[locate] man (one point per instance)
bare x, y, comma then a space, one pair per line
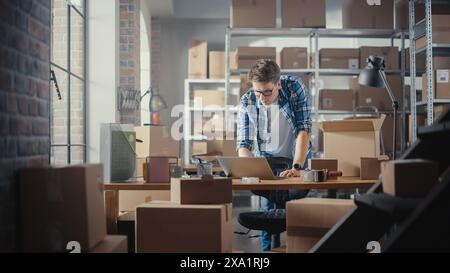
274, 121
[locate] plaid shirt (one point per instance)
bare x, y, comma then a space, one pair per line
295, 106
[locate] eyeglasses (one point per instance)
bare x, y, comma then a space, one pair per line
265, 93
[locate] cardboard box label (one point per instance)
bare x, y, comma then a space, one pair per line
353, 63
327, 102
442, 76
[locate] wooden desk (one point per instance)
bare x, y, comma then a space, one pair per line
112, 190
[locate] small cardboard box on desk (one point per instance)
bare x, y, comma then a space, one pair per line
349, 140
309, 219
201, 191
411, 178
60, 205
371, 167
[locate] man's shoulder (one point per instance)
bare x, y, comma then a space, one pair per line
248, 98
291, 84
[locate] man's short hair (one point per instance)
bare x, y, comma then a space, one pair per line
264, 70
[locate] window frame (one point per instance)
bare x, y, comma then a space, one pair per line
69, 74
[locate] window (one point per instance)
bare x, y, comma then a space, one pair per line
68, 61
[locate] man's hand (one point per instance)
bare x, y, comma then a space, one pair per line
290, 173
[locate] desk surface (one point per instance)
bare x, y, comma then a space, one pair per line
288, 183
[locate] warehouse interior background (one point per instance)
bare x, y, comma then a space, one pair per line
67, 68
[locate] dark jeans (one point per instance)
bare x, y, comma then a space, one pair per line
276, 199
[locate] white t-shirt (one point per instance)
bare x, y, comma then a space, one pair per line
281, 142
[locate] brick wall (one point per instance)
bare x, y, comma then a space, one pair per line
24, 101
156, 52
130, 54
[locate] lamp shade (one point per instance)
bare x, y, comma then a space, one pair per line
157, 103
370, 75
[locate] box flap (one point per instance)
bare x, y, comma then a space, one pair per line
352, 125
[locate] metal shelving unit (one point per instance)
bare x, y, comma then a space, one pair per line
314, 35
416, 31
190, 111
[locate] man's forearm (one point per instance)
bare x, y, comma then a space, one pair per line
243, 152
301, 148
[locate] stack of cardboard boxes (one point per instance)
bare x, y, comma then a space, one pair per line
63, 208
198, 219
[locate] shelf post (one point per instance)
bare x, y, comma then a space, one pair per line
429, 37
412, 67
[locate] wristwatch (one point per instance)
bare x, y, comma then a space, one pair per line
297, 167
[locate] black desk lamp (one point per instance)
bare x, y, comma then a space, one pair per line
373, 75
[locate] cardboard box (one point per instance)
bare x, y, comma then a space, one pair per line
129, 200
198, 59
363, 14
366, 96
294, 58
349, 140
441, 84
389, 53
217, 65
156, 141
224, 147
410, 178
345, 58
253, 14
402, 14
331, 99
322, 164
247, 56
199, 148
309, 219
112, 244
172, 228
441, 62
188, 191
439, 110
233, 60
208, 98
420, 61
303, 13
371, 167
60, 205
440, 30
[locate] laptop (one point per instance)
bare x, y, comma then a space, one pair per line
238, 167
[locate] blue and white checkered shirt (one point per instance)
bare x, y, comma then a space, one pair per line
295, 105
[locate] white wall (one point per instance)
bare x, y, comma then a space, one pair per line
102, 68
